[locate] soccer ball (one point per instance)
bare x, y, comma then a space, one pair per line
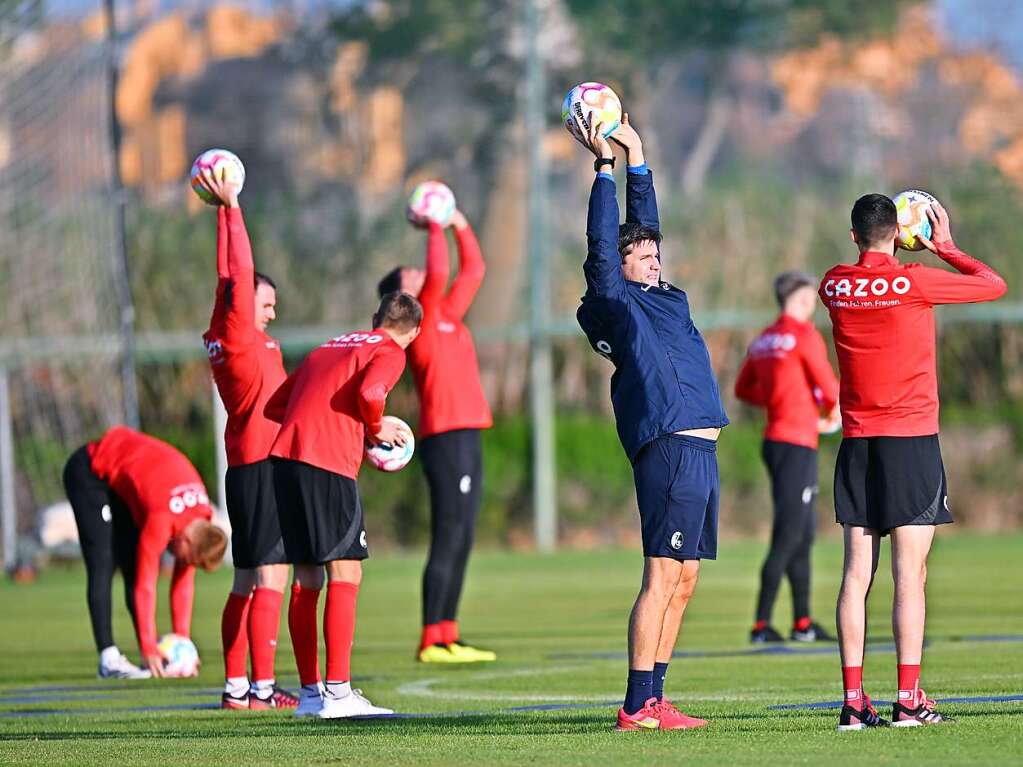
224, 164
591, 101
431, 201
181, 658
391, 457
913, 222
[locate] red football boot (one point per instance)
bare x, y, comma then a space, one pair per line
673, 719
644, 719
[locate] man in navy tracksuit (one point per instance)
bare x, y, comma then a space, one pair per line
668, 411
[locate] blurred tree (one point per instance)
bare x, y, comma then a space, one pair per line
647, 44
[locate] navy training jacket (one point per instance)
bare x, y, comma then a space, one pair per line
663, 381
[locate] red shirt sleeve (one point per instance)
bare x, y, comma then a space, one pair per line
747, 387
976, 281
240, 323
382, 373
470, 273
277, 405
153, 542
223, 276
182, 592
817, 366
437, 268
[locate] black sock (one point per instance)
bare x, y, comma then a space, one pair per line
639, 691
660, 671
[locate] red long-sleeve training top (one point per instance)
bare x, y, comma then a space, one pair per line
333, 397
164, 493
246, 362
883, 317
787, 372
443, 357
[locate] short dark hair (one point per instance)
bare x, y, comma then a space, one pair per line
391, 283
874, 218
262, 279
398, 311
631, 233
787, 283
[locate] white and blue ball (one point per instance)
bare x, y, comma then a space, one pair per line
387, 457
181, 658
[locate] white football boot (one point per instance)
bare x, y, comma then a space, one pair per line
113, 665
346, 702
310, 700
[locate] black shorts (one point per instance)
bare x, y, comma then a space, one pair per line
794, 484
251, 505
677, 487
888, 482
320, 514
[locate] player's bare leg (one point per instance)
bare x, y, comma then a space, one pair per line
862, 548
910, 546
670, 717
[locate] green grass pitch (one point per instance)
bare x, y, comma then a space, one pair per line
558, 624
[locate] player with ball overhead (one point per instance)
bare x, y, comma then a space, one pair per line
133, 496
889, 476
453, 411
667, 407
328, 408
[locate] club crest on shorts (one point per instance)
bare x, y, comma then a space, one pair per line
107, 515
362, 539
465, 484
677, 539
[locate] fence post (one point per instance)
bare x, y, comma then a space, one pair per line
8, 506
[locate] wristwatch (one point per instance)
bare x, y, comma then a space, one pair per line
600, 162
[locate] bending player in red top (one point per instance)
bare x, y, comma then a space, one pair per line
453, 410
134, 496
247, 367
327, 409
889, 477
787, 372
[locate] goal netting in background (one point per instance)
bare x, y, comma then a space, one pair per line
59, 317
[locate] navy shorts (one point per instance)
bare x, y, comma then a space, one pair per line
677, 486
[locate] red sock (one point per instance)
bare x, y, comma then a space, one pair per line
339, 629
852, 682
432, 635
233, 636
304, 636
448, 631
264, 621
802, 624
909, 681
760, 625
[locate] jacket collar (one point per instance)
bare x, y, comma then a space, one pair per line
872, 258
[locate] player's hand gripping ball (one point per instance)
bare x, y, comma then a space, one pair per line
388, 457
224, 164
591, 103
912, 206
181, 658
431, 201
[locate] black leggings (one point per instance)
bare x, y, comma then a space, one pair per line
793, 470
109, 539
453, 462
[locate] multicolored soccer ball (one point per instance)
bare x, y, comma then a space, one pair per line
912, 206
387, 457
181, 658
224, 164
431, 201
591, 103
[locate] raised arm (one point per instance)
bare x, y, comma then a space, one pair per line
437, 267
240, 321
640, 199
220, 304
975, 281
470, 269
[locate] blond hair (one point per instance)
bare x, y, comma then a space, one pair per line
210, 546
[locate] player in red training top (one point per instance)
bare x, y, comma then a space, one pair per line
889, 477
453, 410
327, 409
134, 496
247, 367
787, 372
